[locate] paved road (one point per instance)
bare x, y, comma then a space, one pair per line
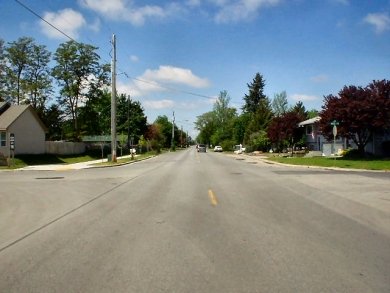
189, 222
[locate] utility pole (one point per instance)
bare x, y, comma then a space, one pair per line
173, 130
181, 136
128, 122
113, 100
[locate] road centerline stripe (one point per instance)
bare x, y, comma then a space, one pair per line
213, 198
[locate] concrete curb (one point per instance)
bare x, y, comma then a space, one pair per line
269, 162
76, 166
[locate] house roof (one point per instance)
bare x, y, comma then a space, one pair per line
4, 106
13, 112
309, 121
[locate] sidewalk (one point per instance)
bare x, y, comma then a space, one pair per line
64, 167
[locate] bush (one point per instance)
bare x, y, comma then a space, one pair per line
355, 154
227, 145
386, 148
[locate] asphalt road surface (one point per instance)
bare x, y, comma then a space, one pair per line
195, 222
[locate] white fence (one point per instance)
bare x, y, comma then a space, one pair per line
64, 148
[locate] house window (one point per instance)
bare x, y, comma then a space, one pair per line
309, 129
3, 139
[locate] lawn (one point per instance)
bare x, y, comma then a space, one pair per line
29, 160
127, 159
367, 164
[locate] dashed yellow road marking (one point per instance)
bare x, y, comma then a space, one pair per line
213, 198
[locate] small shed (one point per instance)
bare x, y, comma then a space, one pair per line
21, 124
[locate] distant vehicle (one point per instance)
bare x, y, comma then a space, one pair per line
218, 148
238, 149
201, 148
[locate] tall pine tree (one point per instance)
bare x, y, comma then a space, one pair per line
258, 107
256, 94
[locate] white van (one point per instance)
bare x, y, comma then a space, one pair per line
238, 149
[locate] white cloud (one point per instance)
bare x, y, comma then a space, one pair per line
111, 7
128, 11
304, 98
134, 58
159, 104
95, 26
320, 78
161, 80
67, 20
237, 10
175, 75
193, 3
380, 21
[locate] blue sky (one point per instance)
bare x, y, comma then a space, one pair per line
197, 48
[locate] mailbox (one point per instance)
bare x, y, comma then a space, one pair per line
12, 141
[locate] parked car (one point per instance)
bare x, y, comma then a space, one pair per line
218, 148
201, 148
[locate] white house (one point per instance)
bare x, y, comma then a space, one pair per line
21, 130
316, 142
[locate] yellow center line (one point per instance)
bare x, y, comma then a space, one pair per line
213, 198
197, 157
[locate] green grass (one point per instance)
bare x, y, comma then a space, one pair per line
367, 164
127, 159
29, 160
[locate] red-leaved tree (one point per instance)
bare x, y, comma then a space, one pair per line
283, 130
359, 111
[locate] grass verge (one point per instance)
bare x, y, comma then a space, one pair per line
22, 161
366, 164
29, 160
127, 160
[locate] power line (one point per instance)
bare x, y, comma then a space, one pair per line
40, 17
133, 78
169, 88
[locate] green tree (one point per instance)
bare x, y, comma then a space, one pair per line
95, 115
259, 141
154, 137
165, 129
223, 119
205, 124
259, 120
19, 58
300, 109
131, 118
240, 124
280, 103
3, 71
38, 83
255, 96
258, 106
77, 72
53, 120
312, 113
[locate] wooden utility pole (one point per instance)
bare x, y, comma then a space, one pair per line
173, 132
113, 101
